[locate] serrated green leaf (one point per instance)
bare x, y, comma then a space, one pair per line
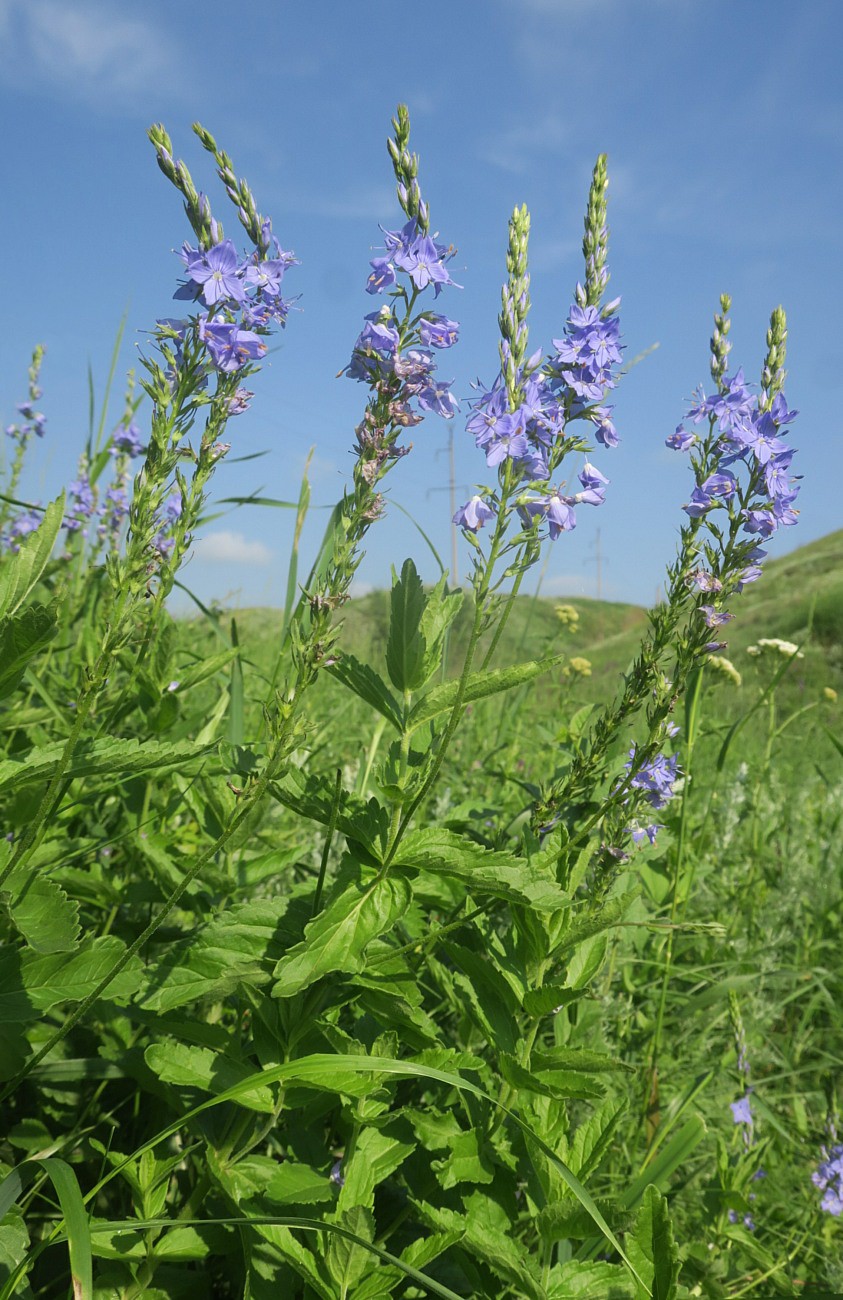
14, 1246
200, 1067
375, 1156
587, 1279
502, 875
31, 982
405, 647
21, 571
492, 1001
550, 997
577, 1058
365, 683
296, 1184
594, 1137
108, 756
239, 946
480, 685
22, 638
468, 1161
336, 1073
653, 1249
336, 940
42, 911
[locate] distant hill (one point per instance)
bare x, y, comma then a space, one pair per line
803, 587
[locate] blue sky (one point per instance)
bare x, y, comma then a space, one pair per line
724, 129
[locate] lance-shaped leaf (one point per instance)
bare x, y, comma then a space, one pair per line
20, 572
653, 1250
405, 649
34, 982
336, 940
42, 911
108, 756
21, 639
502, 875
239, 946
372, 689
200, 1067
441, 698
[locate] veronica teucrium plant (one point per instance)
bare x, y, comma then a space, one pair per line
284, 1012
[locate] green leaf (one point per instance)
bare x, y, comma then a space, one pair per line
653, 1249
577, 1058
205, 668
239, 946
42, 911
108, 756
32, 982
294, 1184
405, 648
73, 1212
659, 1171
483, 871
441, 698
21, 639
365, 683
594, 1137
336, 940
347, 1257
492, 1000
441, 608
336, 1073
550, 997
200, 1067
468, 1161
374, 1157
586, 1279
20, 572
14, 1246
364, 822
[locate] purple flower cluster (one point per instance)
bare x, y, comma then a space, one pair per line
412, 251
400, 367
586, 354
82, 502
126, 440
656, 777
169, 515
33, 421
751, 436
558, 508
23, 524
525, 435
570, 386
828, 1177
243, 297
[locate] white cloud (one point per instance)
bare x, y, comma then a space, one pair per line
515, 148
228, 547
90, 47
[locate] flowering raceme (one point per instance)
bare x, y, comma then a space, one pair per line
522, 422
397, 361
243, 297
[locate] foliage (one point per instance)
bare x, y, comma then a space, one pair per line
344, 954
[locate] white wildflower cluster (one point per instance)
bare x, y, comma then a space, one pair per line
774, 645
724, 668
